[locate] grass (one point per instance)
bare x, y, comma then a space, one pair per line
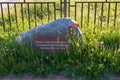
99, 53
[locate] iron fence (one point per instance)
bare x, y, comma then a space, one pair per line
29, 14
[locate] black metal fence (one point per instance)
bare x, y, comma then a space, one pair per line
28, 14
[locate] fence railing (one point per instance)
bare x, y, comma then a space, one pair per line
28, 14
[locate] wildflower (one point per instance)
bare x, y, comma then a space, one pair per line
10, 40
95, 41
77, 44
104, 59
66, 65
72, 74
19, 38
70, 26
74, 26
11, 54
77, 25
47, 57
5, 46
101, 65
92, 50
119, 50
101, 42
7, 49
13, 49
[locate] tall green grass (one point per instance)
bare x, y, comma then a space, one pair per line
98, 54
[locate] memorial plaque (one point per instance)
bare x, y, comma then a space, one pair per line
51, 42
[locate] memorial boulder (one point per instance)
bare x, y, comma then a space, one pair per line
51, 36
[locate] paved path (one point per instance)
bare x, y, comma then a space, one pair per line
38, 78
55, 78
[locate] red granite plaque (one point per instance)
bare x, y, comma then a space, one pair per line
50, 42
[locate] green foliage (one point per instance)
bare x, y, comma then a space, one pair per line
98, 53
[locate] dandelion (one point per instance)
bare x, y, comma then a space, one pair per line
77, 44
101, 42
101, 65
92, 50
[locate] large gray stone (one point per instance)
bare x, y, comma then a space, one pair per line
59, 26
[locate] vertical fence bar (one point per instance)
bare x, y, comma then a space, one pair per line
48, 12
102, 14
88, 12
16, 15
69, 8
35, 14
41, 13
95, 13
61, 8
54, 12
65, 8
115, 14
29, 15
108, 14
81, 15
2, 14
75, 11
22, 15
9, 15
